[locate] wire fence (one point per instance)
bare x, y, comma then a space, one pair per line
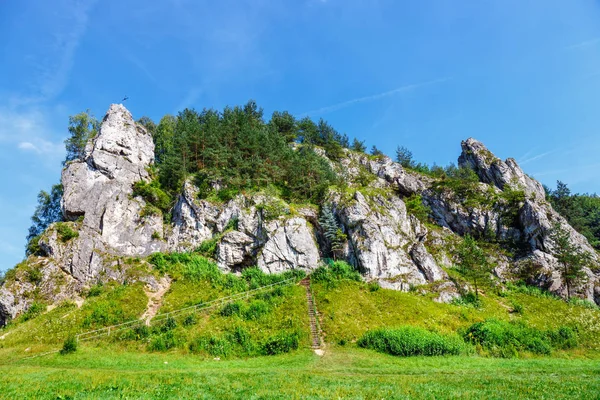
109, 330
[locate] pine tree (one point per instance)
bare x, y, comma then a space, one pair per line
571, 258
332, 231
404, 157
359, 146
473, 262
375, 151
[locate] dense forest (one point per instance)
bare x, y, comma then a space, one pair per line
236, 150
581, 210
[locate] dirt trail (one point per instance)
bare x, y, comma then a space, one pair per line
155, 299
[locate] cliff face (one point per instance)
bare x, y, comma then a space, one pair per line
384, 240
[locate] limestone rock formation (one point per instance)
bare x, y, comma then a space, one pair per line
536, 218
385, 241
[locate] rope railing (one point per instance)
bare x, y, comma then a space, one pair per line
108, 330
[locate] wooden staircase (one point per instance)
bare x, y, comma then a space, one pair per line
314, 326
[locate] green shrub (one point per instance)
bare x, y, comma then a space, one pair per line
103, 313
189, 320
214, 345
411, 341
33, 311
468, 299
373, 286
166, 325
165, 341
256, 309
69, 345
149, 211
152, 194
208, 248
416, 207
96, 290
283, 342
65, 232
240, 336
517, 307
576, 301
231, 309
34, 275
334, 272
563, 338
33, 247
500, 336
227, 194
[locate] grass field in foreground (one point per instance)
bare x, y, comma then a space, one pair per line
99, 373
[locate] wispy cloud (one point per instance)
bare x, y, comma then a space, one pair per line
142, 67
366, 99
31, 131
585, 43
190, 98
527, 158
579, 168
53, 59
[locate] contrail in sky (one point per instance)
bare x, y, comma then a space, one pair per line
348, 103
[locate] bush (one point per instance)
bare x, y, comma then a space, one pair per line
334, 272
103, 313
468, 299
563, 338
517, 307
500, 338
231, 309
214, 345
241, 336
189, 320
415, 206
411, 341
69, 346
208, 248
65, 232
95, 290
33, 247
149, 211
373, 286
164, 342
576, 301
283, 342
34, 275
256, 309
33, 311
152, 194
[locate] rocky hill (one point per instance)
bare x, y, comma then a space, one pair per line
398, 227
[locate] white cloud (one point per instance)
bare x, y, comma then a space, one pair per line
584, 44
28, 146
32, 130
365, 99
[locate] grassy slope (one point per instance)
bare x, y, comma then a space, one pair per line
116, 304
115, 368
350, 309
341, 373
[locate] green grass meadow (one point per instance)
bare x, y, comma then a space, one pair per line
258, 347
103, 373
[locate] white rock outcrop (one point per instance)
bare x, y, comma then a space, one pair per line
98, 191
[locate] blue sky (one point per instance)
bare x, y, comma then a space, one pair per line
521, 76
